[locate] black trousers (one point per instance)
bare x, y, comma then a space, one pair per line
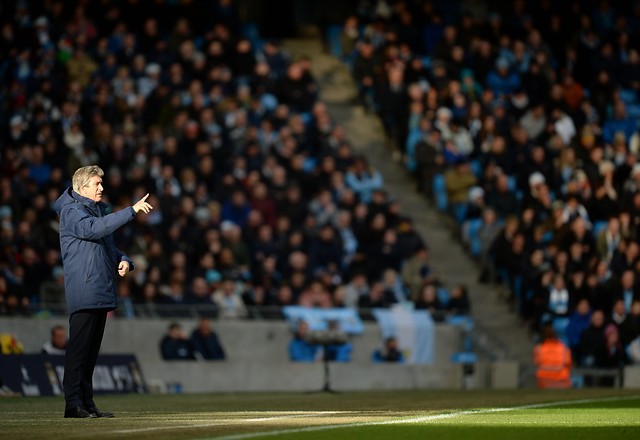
86, 329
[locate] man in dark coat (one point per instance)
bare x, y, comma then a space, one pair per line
91, 261
205, 342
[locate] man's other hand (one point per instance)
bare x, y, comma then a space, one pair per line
123, 268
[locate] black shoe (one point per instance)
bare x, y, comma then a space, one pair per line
78, 413
97, 413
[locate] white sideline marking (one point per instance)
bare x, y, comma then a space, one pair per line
419, 419
299, 414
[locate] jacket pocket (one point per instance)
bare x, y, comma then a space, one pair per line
88, 270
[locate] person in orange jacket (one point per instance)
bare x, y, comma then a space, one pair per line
553, 360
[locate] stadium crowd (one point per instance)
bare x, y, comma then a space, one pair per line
521, 121
260, 198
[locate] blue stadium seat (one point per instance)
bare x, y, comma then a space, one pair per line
459, 212
477, 168
464, 357
443, 295
471, 232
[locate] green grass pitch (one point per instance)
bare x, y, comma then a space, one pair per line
514, 414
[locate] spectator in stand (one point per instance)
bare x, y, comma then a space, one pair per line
57, 344
299, 349
389, 352
459, 304
228, 299
620, 122
579, 321
205, 342
458, 181
363, 179
175, 345
592, 347
630, 327
428, 300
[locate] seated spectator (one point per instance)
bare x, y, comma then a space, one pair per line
205, 342
502, 80
428, 300
356, 288
458, 300
458, 180
228, 299
553, 361
389, 352
363, 179
315, 296
58, 342
299, 349
416, 271
592, 347
175, 345
630, 327
377, 297
615, 354
619, 122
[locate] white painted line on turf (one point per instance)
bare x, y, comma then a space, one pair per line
297, 415
420, 419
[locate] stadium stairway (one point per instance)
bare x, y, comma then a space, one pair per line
498, 334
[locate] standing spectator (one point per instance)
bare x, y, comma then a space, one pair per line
553, 361
393, 107
205, 342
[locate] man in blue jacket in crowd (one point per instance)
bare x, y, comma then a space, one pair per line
91, 261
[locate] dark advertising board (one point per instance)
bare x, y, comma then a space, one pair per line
41, 374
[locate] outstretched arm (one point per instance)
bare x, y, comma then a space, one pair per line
87, 227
